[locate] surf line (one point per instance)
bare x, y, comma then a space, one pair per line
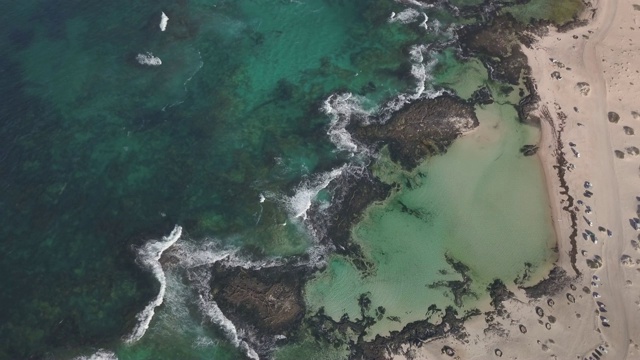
148, 258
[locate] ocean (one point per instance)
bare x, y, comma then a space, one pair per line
208, 131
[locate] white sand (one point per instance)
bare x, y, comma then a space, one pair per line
606, 55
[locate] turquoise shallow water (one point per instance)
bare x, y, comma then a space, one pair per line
99, 154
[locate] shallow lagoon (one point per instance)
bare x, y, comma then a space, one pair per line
483, 203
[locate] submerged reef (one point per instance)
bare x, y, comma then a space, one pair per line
352, 192
459, 288
555, 282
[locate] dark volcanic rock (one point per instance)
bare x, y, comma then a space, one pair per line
269, 299
459, 288
529, 150
553, 284
482, 96
415, 334
420, 129
498, 46
499, 294
352, 193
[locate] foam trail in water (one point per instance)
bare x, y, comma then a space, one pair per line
341, 108
99, 355
149, 259
405, 16
148, 59
300, 202
423, 24
415, 3
163, 21
211, 310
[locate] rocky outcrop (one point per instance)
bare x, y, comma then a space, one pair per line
551, 285
420, 129
352, 193
459, 288
498, 46
415, 334
269, 299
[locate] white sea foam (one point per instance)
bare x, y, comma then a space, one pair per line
149, 259
192, 255
406, 16
211, 310
300, 202
200, 278
415, 3
163, 21
341, 108
423, 24
148, 59
99, 355
204, 342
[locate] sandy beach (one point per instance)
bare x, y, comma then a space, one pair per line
588, 81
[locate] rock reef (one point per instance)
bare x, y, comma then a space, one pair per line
426, 127
268, 299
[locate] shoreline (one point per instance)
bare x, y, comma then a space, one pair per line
589, 55
585, 79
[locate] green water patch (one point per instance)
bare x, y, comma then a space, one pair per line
462, 76
482, 204
312, 350
558, 12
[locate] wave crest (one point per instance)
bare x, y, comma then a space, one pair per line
149, 259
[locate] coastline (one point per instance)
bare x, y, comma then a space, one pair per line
598, 55
567, 322
288, 192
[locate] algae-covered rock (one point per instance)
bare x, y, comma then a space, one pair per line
423, 128
268, 299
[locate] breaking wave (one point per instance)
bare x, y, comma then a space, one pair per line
148, 59
346, 107
306, 192
405, 16
149, 259
164, 19
210, 309
341, 108
409, 16
99, 355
